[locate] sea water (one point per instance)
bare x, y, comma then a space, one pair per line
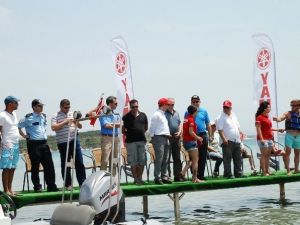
250, 205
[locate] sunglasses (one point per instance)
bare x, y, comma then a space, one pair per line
195, 101
115, 103
39, 106
134, 107
66, 107
294, 105
225, 107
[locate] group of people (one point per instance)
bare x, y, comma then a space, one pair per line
197, 132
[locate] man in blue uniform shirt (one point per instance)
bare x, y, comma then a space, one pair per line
38, 149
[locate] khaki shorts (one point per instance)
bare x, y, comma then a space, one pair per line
106, 147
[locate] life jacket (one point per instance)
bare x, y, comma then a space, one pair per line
294, 122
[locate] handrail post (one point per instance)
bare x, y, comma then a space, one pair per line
145, 206
282, 192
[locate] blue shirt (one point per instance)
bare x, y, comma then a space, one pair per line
109, 119
35, 126
201, 120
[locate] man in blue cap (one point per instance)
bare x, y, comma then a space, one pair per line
9, 142
38, 149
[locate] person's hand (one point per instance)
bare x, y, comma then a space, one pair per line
200, 139
281, 130
210, 138
275, 119
225, 142
69, 121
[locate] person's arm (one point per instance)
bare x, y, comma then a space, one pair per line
210, 137
224, 139
57, 126
210, 149
194, 135
258, 131
281, 118
279, 130
25, 136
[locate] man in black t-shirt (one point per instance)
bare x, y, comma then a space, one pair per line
134, 128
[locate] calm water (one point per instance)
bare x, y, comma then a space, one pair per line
252, 205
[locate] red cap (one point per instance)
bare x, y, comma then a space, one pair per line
163, 101
227, 103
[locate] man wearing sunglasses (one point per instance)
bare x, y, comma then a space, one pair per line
109, 123
230, 133
134, 128
63, 123
204, 131
38, 149
292, 137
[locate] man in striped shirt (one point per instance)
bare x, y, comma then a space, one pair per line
61, 123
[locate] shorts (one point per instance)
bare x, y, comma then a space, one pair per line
265, 144
292, 141
136, 153
190, 145
9, 156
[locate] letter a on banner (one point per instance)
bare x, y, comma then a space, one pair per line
122, 71
264, 73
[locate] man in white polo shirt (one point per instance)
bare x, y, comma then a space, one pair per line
160, 134
230, 140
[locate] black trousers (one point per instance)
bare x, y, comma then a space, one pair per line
202, 148
79, 166
39, 152
175, 152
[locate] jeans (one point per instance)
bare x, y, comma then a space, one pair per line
216, 157
202, 148
175, 152
79, 166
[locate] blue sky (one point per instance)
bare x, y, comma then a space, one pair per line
60, 49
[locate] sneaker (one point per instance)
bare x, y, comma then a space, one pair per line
69, 188
166, 181
52, 189
158, 181
139, 182
215, 174
38, 188
179, 179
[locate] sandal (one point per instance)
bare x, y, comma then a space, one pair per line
197, 180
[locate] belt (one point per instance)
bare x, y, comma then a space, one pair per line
162, 135
37, 141
235, 141
202, 133
109, 135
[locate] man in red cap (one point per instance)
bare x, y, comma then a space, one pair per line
160, 133
230, 133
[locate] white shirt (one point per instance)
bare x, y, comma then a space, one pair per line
10, 131
159, 124
230, 126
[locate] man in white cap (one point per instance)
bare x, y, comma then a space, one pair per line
10, 142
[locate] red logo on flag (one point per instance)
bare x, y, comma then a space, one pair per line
121, 63
263, 58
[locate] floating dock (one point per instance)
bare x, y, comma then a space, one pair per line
175, 190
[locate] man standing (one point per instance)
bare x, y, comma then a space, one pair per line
109, 122
292, 136
134, 128
38, 149
10, 142
203, 126
230, 133
63, 123
160, 134
174, 123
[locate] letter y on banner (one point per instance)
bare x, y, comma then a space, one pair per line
122, 70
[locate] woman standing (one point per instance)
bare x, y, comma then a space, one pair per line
190, 141
264, 135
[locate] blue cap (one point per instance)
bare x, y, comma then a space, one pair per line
10, 99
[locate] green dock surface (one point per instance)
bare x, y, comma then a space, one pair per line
130, 190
